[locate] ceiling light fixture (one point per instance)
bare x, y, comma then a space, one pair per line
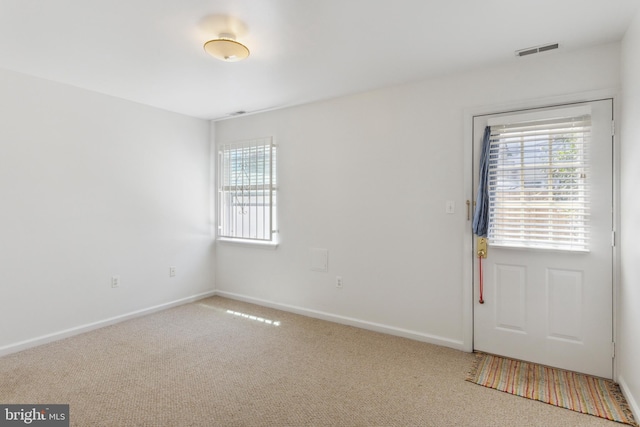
226, 48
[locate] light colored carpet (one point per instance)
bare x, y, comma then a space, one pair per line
579, 392
209, 364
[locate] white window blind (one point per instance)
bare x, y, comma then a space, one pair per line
247, 190
539, 184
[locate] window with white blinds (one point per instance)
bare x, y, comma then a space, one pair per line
539, 184
247, 190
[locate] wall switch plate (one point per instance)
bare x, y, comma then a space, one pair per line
450, 207
172, 272
115, 281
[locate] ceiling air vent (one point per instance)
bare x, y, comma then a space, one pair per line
238, 113
537, 49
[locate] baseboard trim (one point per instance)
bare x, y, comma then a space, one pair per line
633, 403
45, 339
350, 321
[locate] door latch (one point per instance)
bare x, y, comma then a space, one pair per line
482, 247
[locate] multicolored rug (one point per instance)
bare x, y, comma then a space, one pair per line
571, 390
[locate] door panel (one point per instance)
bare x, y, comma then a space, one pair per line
564, 299
510, 297
554, 307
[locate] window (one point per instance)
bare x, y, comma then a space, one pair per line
538, 183
247, 190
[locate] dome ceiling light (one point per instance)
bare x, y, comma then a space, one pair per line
226, 48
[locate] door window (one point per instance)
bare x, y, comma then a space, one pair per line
539, 183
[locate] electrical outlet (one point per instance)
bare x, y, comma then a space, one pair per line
338, 281
172, 272
115, 281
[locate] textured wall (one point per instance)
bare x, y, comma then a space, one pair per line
368, 176
94, 186
629, 297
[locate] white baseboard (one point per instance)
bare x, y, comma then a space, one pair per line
377, 327
44, 339
631, 400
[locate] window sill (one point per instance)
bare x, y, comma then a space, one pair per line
248, 243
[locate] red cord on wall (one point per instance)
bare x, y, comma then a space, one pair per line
481, 279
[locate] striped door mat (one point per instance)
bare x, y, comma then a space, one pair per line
571, 390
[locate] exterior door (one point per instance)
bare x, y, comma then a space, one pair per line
545, 300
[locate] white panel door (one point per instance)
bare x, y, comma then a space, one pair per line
553, 307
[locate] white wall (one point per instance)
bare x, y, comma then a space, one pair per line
93, 186
629, 297
367, 177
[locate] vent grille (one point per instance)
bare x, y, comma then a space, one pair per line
537, 49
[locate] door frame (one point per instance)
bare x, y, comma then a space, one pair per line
467, 252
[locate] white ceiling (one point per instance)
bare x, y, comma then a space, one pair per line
150, 51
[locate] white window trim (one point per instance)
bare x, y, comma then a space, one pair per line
271, 243
249, 243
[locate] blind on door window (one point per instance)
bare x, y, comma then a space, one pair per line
539, 184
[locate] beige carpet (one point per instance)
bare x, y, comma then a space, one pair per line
219, 362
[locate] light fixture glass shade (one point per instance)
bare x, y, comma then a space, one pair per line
226, 49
